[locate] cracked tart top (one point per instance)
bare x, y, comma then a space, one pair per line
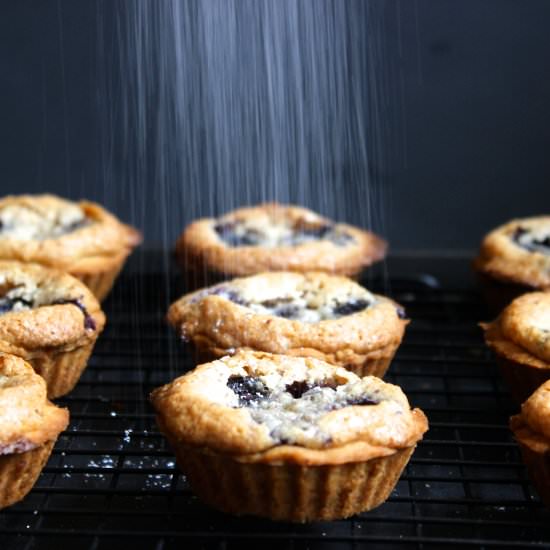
55, 232
267, 408
274, 237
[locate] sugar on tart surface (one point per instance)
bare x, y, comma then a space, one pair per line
80, 238
520, 339
306, 314
513, 259
288, 438
29, 427
274, 237
531, 428
50, 319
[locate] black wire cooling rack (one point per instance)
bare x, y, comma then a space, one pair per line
112, 483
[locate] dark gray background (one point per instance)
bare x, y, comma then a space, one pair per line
464, 144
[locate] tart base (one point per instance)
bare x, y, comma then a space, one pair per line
19, 472
290, 492
62, 370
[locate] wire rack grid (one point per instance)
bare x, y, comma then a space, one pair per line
112, 482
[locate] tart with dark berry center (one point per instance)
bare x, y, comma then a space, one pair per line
520, 338
313, 314
80, 238
289, 438
273, 237
50, 319
29, 427
531, 429
514, 259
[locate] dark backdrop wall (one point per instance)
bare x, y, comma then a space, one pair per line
437, 129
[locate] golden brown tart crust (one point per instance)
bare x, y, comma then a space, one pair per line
520, 338
50, 319
287, 438
518, 252
331, 318
80, 238
287, 238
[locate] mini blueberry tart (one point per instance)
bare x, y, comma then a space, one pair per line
520, 338
531, 429
273, 237
81, 238
305, 314
288, 438
29, 427
514, 259
50, 319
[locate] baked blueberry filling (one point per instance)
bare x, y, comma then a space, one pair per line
292, 413
282, 308
362, 401
519, 232
223, 291
288, 312
249, 390
75, 225
320, 232
229, 294
237, 234
294, 308
348, 308
17, 303
299, 387
234, 235
252, 392
24, 224
19, 446
341, 238
308, 313
9, 304
524, 238
89, 322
